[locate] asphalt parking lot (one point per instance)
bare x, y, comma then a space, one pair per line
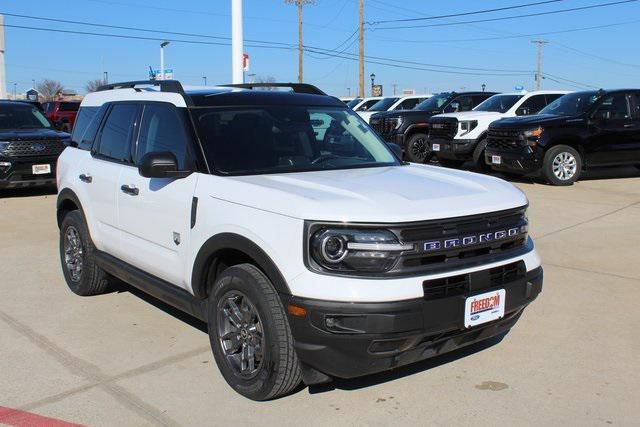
126, 359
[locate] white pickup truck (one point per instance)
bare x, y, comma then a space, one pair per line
455, 138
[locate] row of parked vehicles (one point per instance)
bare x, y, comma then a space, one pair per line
551, 134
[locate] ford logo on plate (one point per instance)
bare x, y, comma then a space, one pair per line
37, 146
475, 317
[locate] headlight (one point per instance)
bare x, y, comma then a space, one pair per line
352, 250
533, 133
4, 145
394, 122
467, 126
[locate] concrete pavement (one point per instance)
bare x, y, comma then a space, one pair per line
126, 359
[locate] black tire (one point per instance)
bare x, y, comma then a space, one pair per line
417, 149
278, 371
478, 156
451, 163
553, 170
91, 280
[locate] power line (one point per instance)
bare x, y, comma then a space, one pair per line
316, 50
528, 15
477, 12
567, 81
515, 36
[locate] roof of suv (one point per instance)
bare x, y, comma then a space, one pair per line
200, 96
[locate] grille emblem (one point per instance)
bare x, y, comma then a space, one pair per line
37, 147
471, 240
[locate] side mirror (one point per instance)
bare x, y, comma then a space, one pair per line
160, 164
522, 112
397, 150
455, 106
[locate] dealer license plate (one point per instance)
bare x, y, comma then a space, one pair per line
41, 169
435, 147
484, 308
496, 160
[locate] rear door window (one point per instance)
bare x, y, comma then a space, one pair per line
69, 106
614, 107
117, 131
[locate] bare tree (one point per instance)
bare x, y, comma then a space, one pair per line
300, 4
48, 89
93, 85
266, 79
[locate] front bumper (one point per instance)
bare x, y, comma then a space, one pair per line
522, 161
348, 340
457, 149
20, 173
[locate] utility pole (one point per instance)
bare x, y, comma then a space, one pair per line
300, 4
3, 81
237, 42
105, 77
540, 44
204, 79
361, 81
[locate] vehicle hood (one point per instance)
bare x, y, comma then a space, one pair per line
31, 134
473, 115
535, 120
407, 113
382, 195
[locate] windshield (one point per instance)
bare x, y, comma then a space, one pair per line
434, 103
383, 104
25, 116
571, 104
280, 139
498, 103
354, 102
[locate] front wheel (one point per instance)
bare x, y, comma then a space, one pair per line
250, 335
417, 148
562, 165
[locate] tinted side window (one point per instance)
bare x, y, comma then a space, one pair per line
552, 97
85, 115
479, 99
368, 104
614, 107
117, 131
162, 129
69, 106
408, 104
462, 103
532, 105
636, 105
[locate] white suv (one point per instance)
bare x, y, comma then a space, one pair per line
393, 104
285, 223
457, 137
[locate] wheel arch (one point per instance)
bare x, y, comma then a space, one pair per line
67, 201
223, 248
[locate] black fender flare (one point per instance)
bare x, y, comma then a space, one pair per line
65, 195
223, 241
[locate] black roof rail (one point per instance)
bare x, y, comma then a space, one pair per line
172, 86
296, 87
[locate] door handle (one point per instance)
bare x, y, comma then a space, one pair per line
85, 178
130, 189
629, 125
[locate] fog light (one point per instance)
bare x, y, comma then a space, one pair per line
4, 166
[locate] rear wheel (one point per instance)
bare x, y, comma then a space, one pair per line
417, 148
80, 271
250, 335
562, 165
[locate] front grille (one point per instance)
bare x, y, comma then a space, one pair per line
503, 139
455, 243
33, 148
383, 126
477, 281
443, 128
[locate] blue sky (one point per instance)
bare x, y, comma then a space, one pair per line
601, 57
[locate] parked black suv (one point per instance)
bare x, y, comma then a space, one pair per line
409, 128
29, 146
575, 132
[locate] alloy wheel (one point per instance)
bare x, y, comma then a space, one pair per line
419, 149
73, 253
564, 166
241, 334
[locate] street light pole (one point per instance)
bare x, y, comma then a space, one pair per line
373, 81
162, 46
204, 78
237, 42
15, 91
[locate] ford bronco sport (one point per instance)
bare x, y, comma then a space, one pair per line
284, 222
